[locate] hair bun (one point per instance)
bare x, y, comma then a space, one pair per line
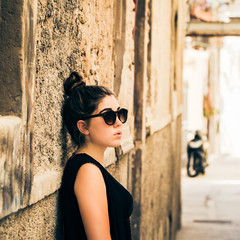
74, 80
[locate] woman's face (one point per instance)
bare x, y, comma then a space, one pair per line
102, 134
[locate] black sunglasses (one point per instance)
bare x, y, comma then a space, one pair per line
110, 116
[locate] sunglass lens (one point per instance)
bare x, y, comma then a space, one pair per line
110, 117
122, 115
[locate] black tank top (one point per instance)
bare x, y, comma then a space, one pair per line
120, 202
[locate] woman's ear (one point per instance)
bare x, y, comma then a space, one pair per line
83, 127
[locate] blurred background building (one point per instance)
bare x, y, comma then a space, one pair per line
230, 96
211, 58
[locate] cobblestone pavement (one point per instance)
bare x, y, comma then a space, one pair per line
211, 202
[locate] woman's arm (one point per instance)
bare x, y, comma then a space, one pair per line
90, 190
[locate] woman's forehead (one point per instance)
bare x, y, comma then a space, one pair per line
109, 102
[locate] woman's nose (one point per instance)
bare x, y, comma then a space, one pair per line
118, 122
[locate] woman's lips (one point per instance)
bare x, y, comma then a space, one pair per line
118, 134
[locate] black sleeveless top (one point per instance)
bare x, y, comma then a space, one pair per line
120, 202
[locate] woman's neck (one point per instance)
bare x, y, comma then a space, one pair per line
94, 151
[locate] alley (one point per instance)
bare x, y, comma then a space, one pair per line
210, 203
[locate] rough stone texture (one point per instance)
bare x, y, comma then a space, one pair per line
39, 221
156, 194
10, 61
158, 101
161, 184
67, 39
71, 35
12, 186
16, 132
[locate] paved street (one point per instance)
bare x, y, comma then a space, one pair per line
211, 202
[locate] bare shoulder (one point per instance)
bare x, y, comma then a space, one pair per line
89, 176
89, 170
91, 194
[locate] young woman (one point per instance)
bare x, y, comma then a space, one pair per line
94, 205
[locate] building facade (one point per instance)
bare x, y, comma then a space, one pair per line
41, 43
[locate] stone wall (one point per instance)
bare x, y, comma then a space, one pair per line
10, 61
161, 195
18, 82
38, 221
158, 110
95, 38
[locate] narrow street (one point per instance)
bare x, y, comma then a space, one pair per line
210, 202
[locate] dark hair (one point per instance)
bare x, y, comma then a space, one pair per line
80, 101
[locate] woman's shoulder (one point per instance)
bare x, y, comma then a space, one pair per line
77, 160
89, 177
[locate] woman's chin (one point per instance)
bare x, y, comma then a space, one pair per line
116, 143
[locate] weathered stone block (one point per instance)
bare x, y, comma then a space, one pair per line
11, 168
